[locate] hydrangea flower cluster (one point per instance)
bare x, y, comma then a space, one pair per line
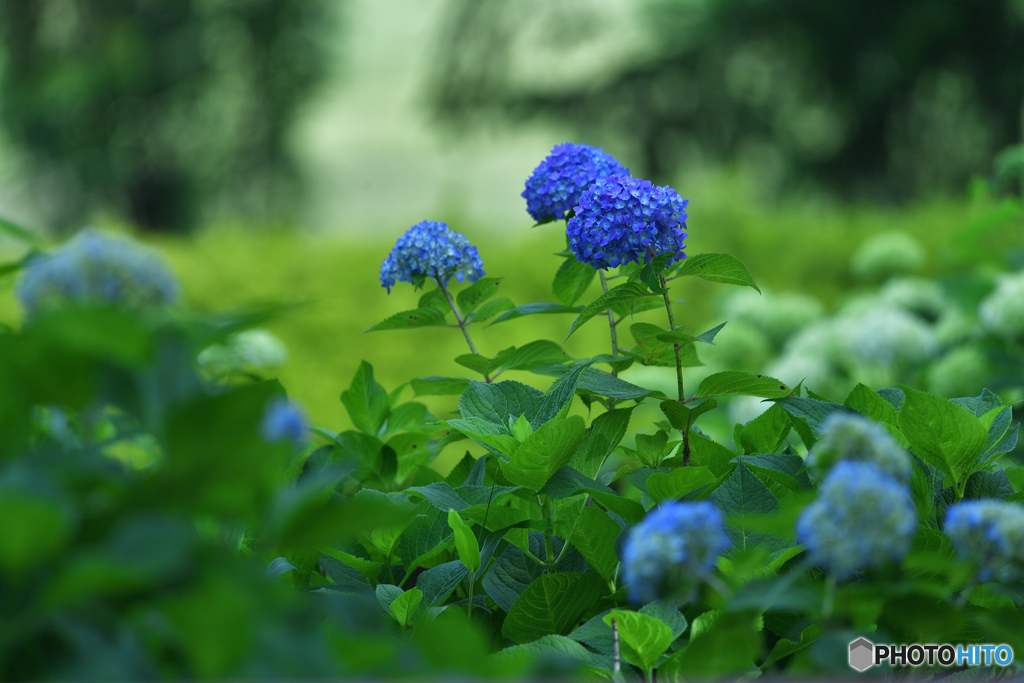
284, 420
879, 335
621, 219
916, 295
431, 249
94, 269
556, 184
673, 546
255, 349
776, 315
990, 533
852, 437
861, 519
888, 254
1002, 311
959, 373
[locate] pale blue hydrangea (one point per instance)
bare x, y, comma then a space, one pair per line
621, 219
255, 349
556, 184
888, 254
916, 295
284, 420
1002, 311
989, 533
776, 315
847, 436
674, 546
431, 249
861, 519
875, 334
92, 268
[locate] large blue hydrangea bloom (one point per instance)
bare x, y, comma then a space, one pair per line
672, 548
861, 519
431, 249
621, 219
850, 436
94, 269
556, 184
284, 421
991, 534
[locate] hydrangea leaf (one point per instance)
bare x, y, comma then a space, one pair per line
711, 454
496, 402
407, 320
491, 309
439, 582
535, 309
474, 361
729, 644
509, 576
405, 605
783, 468
439, 386
435, 298
767, 432
718, 268
466, 544
594, 536
477, 293
679, 482
544, 452
572, 279
553, 647
528, 356
643, 638
552, 604
601, 438
366, 401
683, 415
743, 493
732, 383
942, 432
871, 404
624, 293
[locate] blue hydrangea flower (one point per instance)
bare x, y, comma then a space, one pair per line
431, 249
284, 421
556, 184
861, 519
849, 436
622, 220
94, 269
673, 547
991, 534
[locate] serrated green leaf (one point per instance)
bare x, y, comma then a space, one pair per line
551, 648
553, 604
479, 292
731, 383
767, 432
545, 451
730, 644
941, 432
466, 544
783, 468
601, 438
405, 605
490, 309
622, 294
871, 404
718, 268
643, 638
407, 320
679, 482
496, 402
435, 298
438, 386
535, 309
366, 401
439, 582
528, 357
683, 415
572, 279
744, 494
709, 453
594, 537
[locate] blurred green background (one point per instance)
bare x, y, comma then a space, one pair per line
273, 150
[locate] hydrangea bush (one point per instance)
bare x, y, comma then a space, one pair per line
165, 520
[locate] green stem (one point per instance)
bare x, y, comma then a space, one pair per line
462, 323
549, 548
611, 329
472, 583
671, 328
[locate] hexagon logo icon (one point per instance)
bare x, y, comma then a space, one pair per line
862, 654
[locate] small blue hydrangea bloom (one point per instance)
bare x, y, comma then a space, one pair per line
623, 220
861, 519
674, 546
431, 249
556, 184
851, 436
91, 268
991, 534
284, 421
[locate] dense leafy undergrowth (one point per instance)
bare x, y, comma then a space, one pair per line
164, 520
